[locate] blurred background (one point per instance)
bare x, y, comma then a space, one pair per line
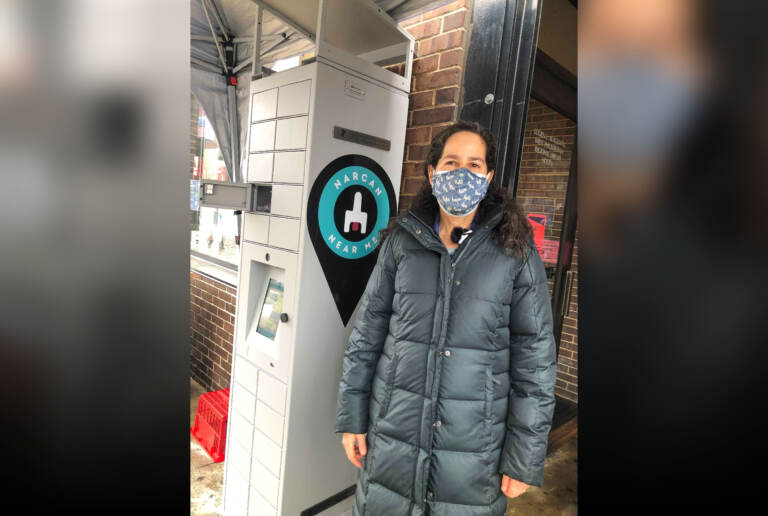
94, 338
674, 267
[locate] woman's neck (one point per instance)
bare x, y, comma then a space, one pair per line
448, 222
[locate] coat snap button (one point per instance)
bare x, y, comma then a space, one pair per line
458, 282
418, 231
405, 219
447, 352
429, 494
438, 423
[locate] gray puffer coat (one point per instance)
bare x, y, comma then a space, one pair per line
450, 370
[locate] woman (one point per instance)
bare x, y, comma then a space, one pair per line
447, 390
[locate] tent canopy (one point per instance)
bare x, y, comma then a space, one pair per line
221, 55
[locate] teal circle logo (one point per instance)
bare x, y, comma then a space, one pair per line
353, 208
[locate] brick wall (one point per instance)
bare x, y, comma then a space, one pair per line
438, 70
542, 186
212, 324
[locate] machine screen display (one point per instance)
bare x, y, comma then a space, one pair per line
271, 310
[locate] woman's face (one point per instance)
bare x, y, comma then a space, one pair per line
464, 149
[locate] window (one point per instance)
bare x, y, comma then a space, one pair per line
212, 230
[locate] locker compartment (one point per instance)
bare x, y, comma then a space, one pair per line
256, 228
243, 401
260, 167
268, 452
289, 167
240, 458
291, 133
262, 136
269, 422
265, 482
286, 200
284, 233
257, 505
246, 375
237, 490
293, 99
264, 105
242, 430
273, 392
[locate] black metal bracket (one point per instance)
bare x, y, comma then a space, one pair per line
342, 133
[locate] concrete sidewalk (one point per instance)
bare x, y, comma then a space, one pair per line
557, 496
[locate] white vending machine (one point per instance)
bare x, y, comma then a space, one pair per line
326, 143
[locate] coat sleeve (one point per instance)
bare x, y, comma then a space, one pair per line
365, 344
533, 367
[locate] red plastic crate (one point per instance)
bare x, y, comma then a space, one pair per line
210, 428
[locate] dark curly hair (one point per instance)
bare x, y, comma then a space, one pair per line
513, 230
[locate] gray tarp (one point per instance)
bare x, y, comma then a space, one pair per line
236, 18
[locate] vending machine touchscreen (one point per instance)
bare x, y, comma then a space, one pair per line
271, 309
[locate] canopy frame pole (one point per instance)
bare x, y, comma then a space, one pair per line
256, 72
223, 28
215, 38
205, 64
282, 41
274, 12
320, 27
234, 127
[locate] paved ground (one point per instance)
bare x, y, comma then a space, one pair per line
557, 496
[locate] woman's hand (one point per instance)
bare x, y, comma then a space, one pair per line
511, 487
355, 446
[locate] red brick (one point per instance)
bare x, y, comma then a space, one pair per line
413, 169
431, 116
453, 6
425, 64
446, 95
399, 68
417, 135
417, 152
413, 185
405, 23
454, 21
439, 79
405, 202
451, 58
420, 100
424, 30
442, 42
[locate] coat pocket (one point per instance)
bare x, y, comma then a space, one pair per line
390, 381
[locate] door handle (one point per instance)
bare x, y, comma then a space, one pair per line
565, 308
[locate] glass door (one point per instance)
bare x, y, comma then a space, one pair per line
546, 190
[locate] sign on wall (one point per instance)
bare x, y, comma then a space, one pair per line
351, 200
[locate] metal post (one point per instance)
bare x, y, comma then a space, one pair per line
256, 60
234, 127
224, 30
320, 28
286, 19
215, 38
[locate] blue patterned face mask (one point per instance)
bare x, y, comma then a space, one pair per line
459, 191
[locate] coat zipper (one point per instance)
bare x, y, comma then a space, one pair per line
446, 303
